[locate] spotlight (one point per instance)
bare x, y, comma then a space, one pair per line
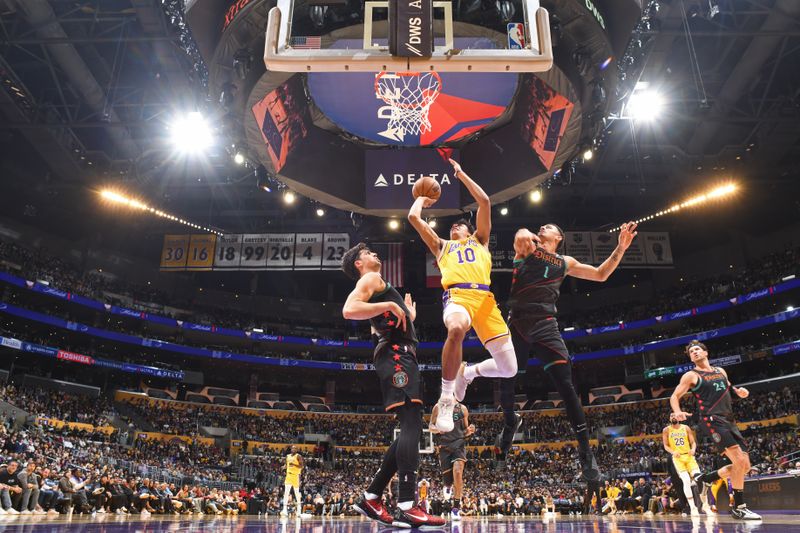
320, 212
227, 95
644, 105
262, 179
191, 133
789, 308
238, 158
317, 14
394, 224
505, 9
242, 61
536, 196
432, 222
588, 154
504, 211
289, 197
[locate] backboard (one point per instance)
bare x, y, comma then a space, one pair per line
365, 47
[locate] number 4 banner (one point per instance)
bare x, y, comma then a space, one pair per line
308, 251
255, 251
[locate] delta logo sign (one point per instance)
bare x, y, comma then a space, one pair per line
458, 104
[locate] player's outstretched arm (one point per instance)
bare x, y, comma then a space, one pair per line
432, 241
688, 381
483, 219
357, 306
601, 273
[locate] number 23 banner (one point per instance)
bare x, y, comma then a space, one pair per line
254, 251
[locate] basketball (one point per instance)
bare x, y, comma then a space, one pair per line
427, 187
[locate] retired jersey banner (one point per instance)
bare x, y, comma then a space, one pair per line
201, 252
173, 253
255, 251
578, 244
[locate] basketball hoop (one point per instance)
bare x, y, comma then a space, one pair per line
410, 95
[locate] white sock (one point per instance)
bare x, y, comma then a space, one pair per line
370, 496
471, 372
448, 385
405, 506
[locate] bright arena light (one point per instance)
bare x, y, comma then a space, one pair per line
320, 212
289, 197
644, 105
133, 203
191, 133
536, 196
504, 211
716, 193
588, 155
432, 223
238, 158
394, 224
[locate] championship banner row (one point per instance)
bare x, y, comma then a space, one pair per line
254, 251
650, 249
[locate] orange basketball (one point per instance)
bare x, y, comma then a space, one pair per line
427, 186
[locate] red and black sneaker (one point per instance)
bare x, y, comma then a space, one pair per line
417, 518
374, 510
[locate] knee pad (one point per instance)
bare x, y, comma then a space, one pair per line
504, 357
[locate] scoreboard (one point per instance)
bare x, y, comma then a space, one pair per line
254, 251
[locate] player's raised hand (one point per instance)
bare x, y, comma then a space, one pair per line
456, 166
626, 234
682, 416
470, 430
426, 202
399, 314
411, 304
741, 392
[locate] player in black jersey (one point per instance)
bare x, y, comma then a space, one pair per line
453, 455
538, 272
712, 390
391, 318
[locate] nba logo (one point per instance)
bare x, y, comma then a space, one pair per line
516, 36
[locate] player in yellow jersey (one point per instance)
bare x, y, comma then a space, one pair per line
294, 467
680, 442
466, 266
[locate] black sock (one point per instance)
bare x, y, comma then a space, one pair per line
562, 378
408, 487
738, 497
710, 477
407, 454
386, 472
507, 400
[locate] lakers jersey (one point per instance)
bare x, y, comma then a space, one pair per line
679, 438
293, 467
465, 261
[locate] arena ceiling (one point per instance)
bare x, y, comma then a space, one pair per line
89, 87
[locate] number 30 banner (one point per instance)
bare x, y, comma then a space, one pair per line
254, 251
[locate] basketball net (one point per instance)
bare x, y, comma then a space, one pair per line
410, 95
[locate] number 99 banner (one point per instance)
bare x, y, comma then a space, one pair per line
255, 251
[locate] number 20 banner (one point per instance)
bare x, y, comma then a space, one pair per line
254, 251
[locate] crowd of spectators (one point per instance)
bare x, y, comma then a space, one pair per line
644, 418
59, 405
67, 470
691, 292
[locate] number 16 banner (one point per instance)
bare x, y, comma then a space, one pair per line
254, 251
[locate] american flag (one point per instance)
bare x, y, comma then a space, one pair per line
391, 256
308, 43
